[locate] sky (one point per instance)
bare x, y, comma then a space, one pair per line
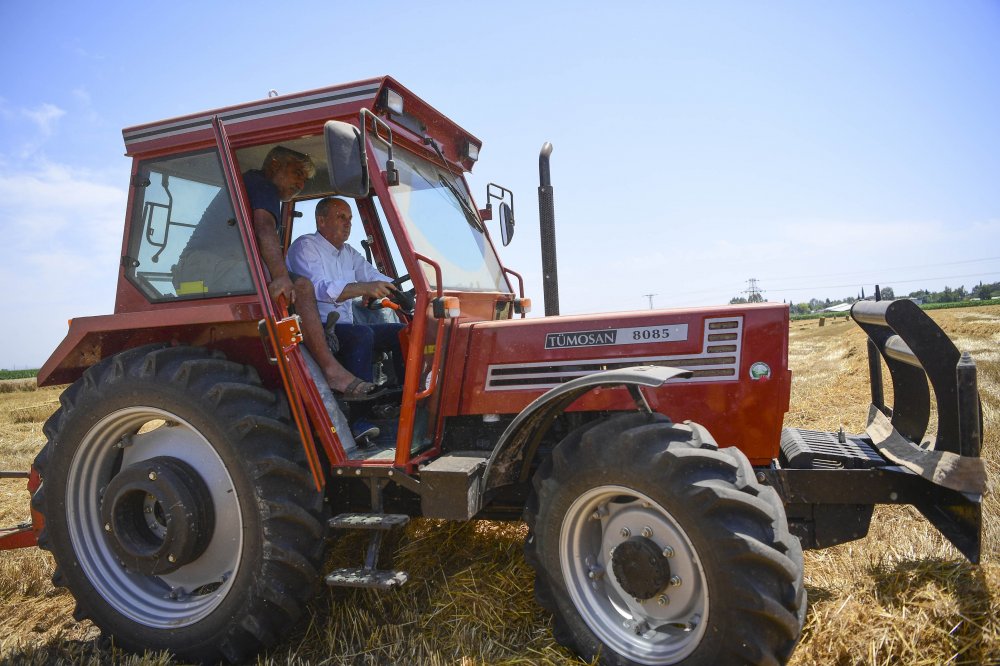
819, 148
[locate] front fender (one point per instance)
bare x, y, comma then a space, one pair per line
511, 458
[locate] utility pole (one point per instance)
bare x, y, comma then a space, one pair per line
753, 291
650, 297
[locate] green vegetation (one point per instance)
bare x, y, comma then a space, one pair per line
18, 374
925, 306
960, 297
820, 315
959, 304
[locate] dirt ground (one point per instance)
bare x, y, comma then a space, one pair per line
902, 595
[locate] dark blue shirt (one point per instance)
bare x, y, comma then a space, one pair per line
262, 193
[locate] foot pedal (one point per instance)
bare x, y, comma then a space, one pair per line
366, 438
377, 579
385, 412
369, 521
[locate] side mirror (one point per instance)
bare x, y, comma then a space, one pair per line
346, 159
506, 211
506, 223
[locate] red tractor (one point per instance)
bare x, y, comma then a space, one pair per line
198, 465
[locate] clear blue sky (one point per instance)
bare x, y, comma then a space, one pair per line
818, 147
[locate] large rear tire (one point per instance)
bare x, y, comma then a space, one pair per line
651, 546
177, 505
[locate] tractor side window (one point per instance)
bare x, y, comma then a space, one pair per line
184, 241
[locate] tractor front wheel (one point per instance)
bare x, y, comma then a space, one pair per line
652, 546
177, 505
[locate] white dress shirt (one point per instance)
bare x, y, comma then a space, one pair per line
331, 270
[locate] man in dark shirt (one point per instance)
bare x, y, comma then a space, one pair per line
212, 257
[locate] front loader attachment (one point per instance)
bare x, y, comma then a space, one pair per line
830, 482
916, 350
920, 357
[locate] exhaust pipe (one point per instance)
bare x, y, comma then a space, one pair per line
547, 229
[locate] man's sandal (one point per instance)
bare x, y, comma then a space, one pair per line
362, 391
359, 391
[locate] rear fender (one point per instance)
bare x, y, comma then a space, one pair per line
512, 457
229, 326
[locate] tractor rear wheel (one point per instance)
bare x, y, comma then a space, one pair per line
652, 546
177, 505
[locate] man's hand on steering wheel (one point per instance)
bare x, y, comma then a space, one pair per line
404, 299
376, 290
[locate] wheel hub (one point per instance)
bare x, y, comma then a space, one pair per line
640, 567
158, 515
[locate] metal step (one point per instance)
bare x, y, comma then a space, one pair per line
377, 579
369, 521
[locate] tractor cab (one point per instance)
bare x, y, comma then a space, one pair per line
192, 269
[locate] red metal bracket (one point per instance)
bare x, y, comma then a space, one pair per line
24, 535
289, 332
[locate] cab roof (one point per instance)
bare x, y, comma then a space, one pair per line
300, 114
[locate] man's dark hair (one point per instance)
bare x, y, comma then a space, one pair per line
279, 156
324, 205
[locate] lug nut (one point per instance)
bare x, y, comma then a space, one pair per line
663, 600
626, 532
107, 527
171, 558
152, 476
675, 581
647, 531
668, 551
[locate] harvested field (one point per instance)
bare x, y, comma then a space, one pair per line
900, 596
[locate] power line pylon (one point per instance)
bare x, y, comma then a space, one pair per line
753, 291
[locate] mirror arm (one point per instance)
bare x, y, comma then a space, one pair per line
391, 173
491, 195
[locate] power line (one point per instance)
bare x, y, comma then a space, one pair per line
891, 282
880, 271
883, 269
683, 299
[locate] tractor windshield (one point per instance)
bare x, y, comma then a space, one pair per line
443, 224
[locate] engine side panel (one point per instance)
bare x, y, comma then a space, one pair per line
738, 355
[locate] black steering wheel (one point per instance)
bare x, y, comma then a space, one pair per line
404, 299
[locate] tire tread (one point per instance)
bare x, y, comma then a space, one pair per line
292, 510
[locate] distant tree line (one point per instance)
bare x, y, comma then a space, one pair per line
982, 291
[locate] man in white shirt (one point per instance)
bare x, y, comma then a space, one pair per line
340, 273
